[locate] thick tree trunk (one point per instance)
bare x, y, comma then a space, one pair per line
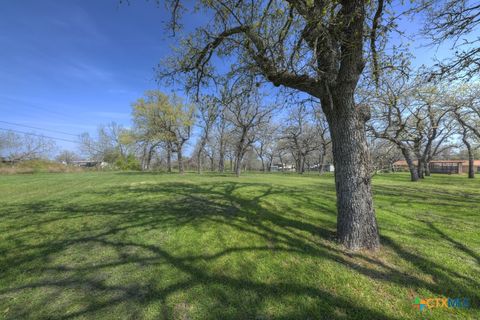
144, 158
302, 163
180, 160
426, 168
471, 169
221, 158
203, 142
221, 163
356, 222
240, 151
321, 159
298, 163
199, 162
269, 166
169, 158
238, 167
420, 168
212, 164
149, 156
411, 166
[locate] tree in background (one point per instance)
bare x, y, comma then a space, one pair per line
112, 145
208, 111
384, 155
246, 112
165, 119
300, 135
433, 127
463, 101
151, 125
67, 157
264, 146
221, 136
20, 147
182, 117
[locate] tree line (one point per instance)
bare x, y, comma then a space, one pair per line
234, 131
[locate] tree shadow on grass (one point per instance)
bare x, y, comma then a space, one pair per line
456, 244
135, 210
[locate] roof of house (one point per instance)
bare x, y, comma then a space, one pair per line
463, 162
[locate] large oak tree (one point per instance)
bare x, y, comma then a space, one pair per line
310, 46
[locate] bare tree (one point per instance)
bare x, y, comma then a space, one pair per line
108, 145
393, 113
384, 154
208, 110
455, 20
20, 147
67, 157
301, 136
464, 104
181, 130
265, 145
432, 125
246, 112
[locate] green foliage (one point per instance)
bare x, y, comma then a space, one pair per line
130, 162
160, 116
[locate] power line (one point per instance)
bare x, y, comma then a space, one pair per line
37, 128
33, 106
38, 135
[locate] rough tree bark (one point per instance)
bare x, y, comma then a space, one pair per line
238, 165
212, 164
420, 169
169, 157
321, 160
221, 161
411, 166
144, 158
426, 168
356, 222
202, 144
270, 163
181, 169
471, 169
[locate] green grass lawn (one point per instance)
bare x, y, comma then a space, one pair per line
158, 246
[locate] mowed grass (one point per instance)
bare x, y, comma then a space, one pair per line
163, 246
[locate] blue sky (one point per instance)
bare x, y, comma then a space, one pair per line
72, 65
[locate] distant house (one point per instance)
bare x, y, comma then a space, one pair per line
326, 167
284, 167
88, 163
6, 160
291, 167
442, 166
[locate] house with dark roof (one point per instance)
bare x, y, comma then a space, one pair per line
442, 166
